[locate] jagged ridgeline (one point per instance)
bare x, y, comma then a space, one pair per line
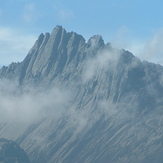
73, 101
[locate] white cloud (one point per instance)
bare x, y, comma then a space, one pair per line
32, 104
64, 15
121, 38
30, 13
150, 50
103, 61
135, 47
14, 45
153, 49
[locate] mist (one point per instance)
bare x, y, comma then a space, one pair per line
31, 104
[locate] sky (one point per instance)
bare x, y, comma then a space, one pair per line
134, 25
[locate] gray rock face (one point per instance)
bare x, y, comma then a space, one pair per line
87, 102
10, 152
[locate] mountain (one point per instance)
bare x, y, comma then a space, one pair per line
10, 152
75, 101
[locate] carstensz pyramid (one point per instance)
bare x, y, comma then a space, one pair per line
73, 101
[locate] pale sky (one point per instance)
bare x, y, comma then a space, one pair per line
135, 25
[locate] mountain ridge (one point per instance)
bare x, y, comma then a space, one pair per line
83, 102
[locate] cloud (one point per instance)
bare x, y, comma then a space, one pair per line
64, 15
145, 49
153, 49
124, 39
121, 38
150, 50
104, 60
14, 45
31, 104
30, 13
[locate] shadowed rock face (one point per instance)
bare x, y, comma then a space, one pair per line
10, 152
87, 102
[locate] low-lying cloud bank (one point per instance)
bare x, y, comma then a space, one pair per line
31, 104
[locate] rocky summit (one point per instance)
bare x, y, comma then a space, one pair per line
72, 101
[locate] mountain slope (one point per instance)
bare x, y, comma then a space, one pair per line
78, 101
10, 152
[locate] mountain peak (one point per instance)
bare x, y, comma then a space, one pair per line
96, 41
57, 29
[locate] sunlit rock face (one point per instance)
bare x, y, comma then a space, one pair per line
75, 101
